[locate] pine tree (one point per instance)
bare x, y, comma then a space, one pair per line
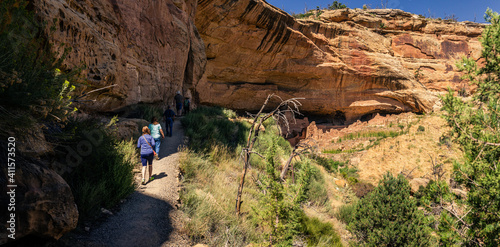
476, 127
388, 216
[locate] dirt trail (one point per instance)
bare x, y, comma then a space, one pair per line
149, 216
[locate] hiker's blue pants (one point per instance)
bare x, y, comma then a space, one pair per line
147, 158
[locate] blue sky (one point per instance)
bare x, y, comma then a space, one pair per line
465, 10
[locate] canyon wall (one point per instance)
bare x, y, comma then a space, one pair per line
140, 51
345, 63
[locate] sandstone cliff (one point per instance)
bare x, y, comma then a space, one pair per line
148, 49
346, 63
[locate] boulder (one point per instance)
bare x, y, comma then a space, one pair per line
43, 204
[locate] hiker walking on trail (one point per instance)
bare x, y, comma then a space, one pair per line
169, 116
146, 144
156, 130
187, 105
178, 102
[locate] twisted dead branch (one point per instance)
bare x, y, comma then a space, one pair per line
278, 113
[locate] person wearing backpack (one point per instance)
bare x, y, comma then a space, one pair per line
156, 130
146, 144
187, 105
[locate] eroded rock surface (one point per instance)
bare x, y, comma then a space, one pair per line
147, 49
346, 63
43, 203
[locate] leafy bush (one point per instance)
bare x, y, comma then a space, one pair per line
420, 128
389, 216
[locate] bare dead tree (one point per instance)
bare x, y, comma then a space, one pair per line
278, 113
299, 149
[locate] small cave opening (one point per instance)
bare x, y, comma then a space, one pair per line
338, 118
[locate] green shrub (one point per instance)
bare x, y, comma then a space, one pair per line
475, 127
104, 175
421, 128
147, 112
207, 127
336, 5
32, 89
431, 197
316, 191
212, 225
345, 213
389, 216
318, 233
303, 16
279, 207
329, 164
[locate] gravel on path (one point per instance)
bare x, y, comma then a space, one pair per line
149, 216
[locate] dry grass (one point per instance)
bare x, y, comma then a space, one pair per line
412, 153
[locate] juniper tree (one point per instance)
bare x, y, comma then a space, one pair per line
279, 208
388, 216
476, 127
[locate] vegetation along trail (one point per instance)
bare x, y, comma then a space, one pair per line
149, 216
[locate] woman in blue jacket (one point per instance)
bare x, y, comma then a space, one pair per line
146, 143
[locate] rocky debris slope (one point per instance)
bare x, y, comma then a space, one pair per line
346, 63
148, 49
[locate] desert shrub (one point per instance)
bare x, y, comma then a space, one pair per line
303, 15
345, 213
329, 164
104, 175
336, 5
279, 208
389, 216
350, 173
318, 233
421, 128
316, 191
229, 113
207, 127
32, 88
147, 112
435, 192
447, 227
213, 225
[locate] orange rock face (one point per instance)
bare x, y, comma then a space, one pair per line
147, 49
346, 63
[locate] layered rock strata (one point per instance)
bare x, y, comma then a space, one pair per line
139, 51
345, 63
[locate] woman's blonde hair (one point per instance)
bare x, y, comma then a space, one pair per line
145, 130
